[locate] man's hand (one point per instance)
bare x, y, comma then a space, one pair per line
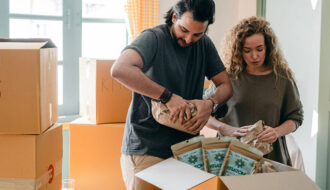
269, 135
204, 109
179, 109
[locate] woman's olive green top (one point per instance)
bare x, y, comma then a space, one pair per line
265, 97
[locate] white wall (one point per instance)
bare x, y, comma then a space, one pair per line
164, 6
246, 8
227, 13
297, 24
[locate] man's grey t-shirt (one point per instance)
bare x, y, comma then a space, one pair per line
182, 71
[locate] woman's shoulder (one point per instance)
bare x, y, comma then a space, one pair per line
285, 76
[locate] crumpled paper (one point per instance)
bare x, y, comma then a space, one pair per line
266, 167
252, 140
161, 113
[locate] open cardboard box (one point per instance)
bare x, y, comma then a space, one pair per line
28, 85
173, 174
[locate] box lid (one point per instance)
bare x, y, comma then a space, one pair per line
293, 180
28, 43
173, 174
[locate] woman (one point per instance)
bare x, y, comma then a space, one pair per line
264, 87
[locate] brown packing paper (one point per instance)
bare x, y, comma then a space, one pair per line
266, 166
252, 140
244, 150
190, 152
161, 113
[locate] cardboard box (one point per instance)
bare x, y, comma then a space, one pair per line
102, 98
173, 174
95, 156
30, 162
28, 85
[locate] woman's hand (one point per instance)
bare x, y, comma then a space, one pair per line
269, 135
235, 131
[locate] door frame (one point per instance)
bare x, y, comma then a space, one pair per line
323, 143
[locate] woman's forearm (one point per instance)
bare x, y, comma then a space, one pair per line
285, 128
219, 126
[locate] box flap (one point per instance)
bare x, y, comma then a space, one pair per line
26, 43
293, 180
173, 174
211, 184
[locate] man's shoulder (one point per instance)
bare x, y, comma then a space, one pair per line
150, 35
206, 39
158, 30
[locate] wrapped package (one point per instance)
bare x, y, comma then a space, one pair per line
190, 152
161, 114
241, 159
214, 152
251, 138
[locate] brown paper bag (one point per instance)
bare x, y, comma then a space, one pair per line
214, 152
252, 140
241, 159
266, 167
190, 152
161, 113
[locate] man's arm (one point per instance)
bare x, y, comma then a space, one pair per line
127, 70
224, 89
204, 107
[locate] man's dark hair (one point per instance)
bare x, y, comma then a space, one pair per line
202, 10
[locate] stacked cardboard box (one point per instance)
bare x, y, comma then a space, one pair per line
95, 155
102, 98
95, 139
30, 142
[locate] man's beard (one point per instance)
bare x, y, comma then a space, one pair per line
178, 39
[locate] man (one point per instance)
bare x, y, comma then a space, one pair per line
168, 63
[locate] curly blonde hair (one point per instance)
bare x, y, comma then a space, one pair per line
232, 47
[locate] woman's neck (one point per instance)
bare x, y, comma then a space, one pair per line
259, 71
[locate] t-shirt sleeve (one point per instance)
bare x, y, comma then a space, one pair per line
293, 109
214, 63
146, 46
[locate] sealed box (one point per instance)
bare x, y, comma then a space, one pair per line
31, 162
28, 85
95, 155
173, 174
102, 99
